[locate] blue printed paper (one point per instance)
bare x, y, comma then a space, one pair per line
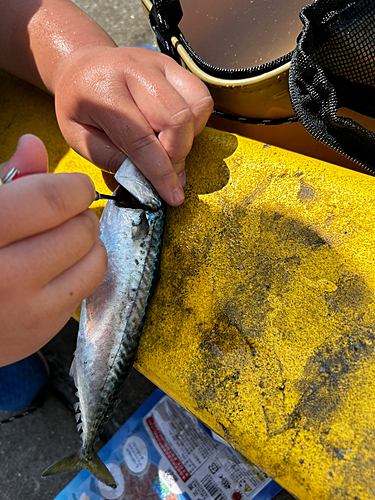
162, 452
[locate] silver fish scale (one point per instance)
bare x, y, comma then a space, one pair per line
111, 318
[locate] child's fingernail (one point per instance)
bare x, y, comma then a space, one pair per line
182, 178
178, 196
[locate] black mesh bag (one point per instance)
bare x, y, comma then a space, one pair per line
333, 66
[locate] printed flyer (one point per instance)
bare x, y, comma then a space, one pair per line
163, 452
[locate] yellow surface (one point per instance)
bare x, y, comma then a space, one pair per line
262, 323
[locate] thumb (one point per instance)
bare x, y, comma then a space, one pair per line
30, 157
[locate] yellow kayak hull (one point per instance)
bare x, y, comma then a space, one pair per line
262, 323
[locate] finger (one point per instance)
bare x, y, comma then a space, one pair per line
194, 91
167, 113
77, 282
35, 261
40, 315
131, 134
37, 203
177, 112
94, 145
30, 156
143, 147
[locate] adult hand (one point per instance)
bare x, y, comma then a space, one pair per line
50, 254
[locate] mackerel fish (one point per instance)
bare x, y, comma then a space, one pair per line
112, 317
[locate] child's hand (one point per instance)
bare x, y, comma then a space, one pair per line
110, 101
50, 254
113, 101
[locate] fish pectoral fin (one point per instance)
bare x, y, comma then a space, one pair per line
89, 461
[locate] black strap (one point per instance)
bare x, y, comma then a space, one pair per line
254, 121
164, 18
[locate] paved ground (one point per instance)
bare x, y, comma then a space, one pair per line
31, 443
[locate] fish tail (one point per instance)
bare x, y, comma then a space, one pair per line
83, 460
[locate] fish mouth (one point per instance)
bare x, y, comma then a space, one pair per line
124, 199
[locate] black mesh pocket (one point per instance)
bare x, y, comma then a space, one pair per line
333, 66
